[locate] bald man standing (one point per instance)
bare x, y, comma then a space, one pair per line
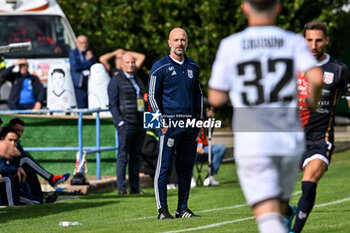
81, 59
125, 94
174, 92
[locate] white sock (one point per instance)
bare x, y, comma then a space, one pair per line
271, 223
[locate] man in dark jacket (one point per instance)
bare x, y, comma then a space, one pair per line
81, 59
27, 92
125, 94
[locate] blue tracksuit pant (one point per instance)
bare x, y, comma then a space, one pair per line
32, 168
181, 143
15, 193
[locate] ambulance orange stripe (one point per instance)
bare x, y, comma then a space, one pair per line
40, 8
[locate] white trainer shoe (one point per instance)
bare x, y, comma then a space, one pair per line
171, 186
193, 182
210, 180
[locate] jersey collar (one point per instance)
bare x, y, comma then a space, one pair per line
324, 61
176, 61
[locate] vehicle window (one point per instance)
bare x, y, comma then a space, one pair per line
50, 36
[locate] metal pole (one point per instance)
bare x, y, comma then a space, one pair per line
98, 157
80, 136
209, 151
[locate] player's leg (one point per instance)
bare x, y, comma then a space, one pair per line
166, 150
134, 160
289, 170
124, 139
7, 182
315, 164
260, 181
28, 161
25, 197
218, 153
268, 216
313, 172
184, 163
33, 182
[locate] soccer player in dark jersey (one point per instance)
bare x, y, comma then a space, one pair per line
319, 125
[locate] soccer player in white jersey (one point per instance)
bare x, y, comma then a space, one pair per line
256, 69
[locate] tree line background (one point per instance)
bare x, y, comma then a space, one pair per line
144, 25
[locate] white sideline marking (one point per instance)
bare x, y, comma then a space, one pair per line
204, 211
137, 219
333, 202
296, 193
222, 208
249, 218
212, 225
200, 211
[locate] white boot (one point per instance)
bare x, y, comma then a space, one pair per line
193, 182
171, 186
210, 180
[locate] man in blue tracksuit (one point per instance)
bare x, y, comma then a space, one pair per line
174, 91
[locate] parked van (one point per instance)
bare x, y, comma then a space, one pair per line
44, 24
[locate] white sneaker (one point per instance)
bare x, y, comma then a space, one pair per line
193, 182
210, 180
171, 186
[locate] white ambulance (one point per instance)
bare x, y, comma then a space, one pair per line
44, 24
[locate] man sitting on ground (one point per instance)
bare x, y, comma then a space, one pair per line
31, 167
13, 177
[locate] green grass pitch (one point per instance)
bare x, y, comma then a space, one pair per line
222, 209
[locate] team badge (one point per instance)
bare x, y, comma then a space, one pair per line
302, 215
190, 73
328, 77
170, 142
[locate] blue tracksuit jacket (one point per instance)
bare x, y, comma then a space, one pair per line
175, 88
6, 167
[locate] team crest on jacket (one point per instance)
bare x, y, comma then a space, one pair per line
170, 142
190, 73
328, 77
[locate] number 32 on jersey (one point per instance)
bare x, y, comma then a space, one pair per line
272, 65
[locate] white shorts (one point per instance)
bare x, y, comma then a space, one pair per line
262, 177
